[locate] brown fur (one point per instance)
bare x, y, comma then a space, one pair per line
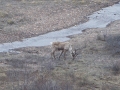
62, 46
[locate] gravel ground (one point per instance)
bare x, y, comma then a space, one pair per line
21, 19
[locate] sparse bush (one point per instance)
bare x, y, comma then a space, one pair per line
10, 22
16, 63
113, 44
101, 37
116, 68
105, 86
84, 82
3, 14
49, 65
46, 83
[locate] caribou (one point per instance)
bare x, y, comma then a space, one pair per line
64, 47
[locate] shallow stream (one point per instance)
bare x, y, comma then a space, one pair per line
99, 19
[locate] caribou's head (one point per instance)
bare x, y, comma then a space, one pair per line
74, 54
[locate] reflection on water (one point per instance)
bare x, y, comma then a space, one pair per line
98, 19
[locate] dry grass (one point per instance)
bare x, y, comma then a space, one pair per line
115, 68
3, 14
33, 69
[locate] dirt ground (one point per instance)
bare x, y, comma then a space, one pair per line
96, 67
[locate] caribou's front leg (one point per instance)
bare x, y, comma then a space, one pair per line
53, 54
61, 54
65, 54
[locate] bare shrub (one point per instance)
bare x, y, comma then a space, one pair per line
45, 83
106, 86
3, 14
116, 68
16, 63
113, 44
83, 82
101, 37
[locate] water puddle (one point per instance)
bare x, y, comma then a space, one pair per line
98, 19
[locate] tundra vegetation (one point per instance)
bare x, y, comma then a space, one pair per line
96, 66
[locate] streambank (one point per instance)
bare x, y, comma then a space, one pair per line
93, 67
38, 17
98, 19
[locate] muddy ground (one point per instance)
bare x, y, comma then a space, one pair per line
96, 67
